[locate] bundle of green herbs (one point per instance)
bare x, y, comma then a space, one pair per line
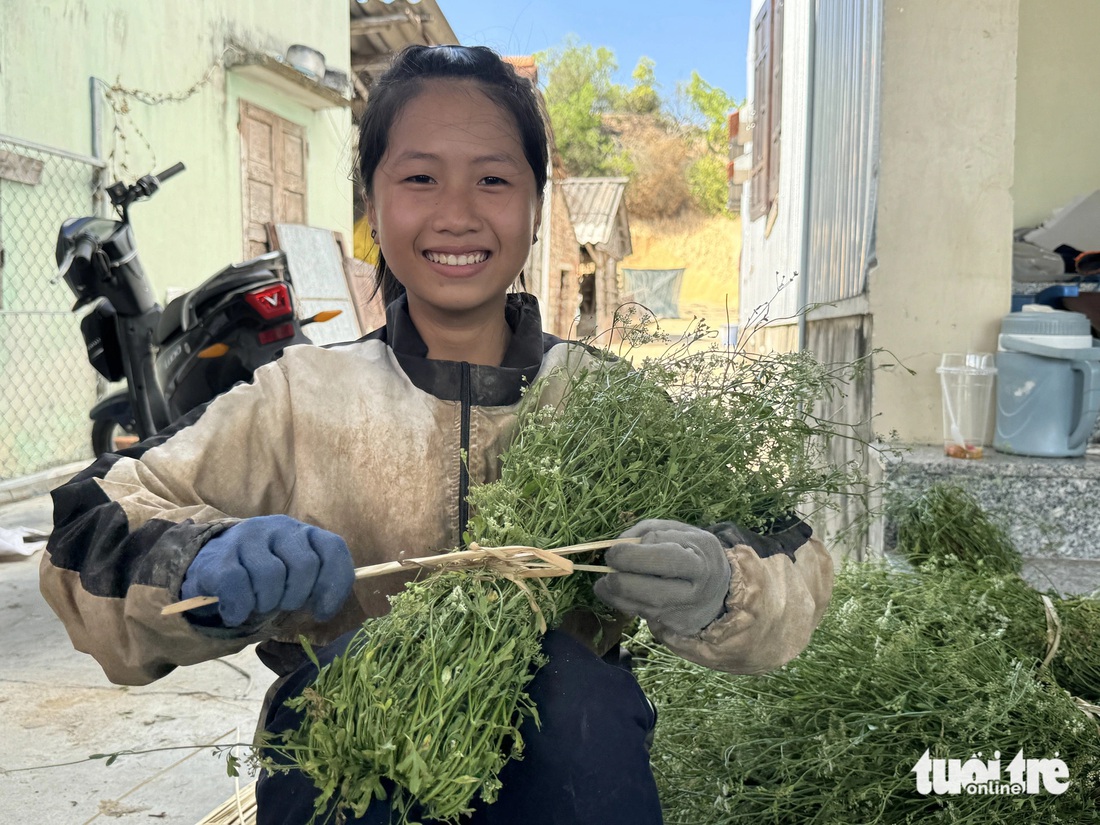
945, 527
429, 698
946, 524
903, 664
957, 656
699, 435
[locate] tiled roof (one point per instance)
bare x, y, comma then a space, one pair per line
593, 205
524, 66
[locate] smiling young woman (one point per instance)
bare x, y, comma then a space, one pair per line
455, 205
365, 452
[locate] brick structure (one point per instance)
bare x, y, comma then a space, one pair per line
598, 211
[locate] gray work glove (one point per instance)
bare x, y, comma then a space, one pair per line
678, 576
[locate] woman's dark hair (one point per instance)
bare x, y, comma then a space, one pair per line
404, 80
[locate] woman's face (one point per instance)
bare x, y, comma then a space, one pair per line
453, 199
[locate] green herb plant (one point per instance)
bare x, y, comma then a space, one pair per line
903, 662
946, 528
956, 655
946, 524
426, 706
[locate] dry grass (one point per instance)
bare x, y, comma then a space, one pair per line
239, 809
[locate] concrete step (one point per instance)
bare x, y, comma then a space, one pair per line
25, 487
1050, 506
1066, 576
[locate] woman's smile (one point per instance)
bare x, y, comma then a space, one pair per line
456, 260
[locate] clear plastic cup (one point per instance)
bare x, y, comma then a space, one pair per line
966, 381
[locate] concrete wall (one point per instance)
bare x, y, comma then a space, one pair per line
945, 213
838, 341
1057, 107
193, 228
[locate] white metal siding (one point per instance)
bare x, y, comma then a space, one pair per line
844, 149
769, 263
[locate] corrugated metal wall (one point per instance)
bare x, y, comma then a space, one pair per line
844, 150
770, 260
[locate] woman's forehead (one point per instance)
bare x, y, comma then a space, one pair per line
446, 111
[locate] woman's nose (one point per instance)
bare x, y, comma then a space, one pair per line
456, 211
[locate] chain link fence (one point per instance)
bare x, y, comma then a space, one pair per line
47, 384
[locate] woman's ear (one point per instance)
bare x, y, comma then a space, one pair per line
538, 213
372, 215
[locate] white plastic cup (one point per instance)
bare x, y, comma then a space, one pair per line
966, 382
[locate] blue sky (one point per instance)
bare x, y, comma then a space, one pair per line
709, 36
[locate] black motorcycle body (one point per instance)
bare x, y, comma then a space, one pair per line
176, 358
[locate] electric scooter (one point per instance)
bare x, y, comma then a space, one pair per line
179, 357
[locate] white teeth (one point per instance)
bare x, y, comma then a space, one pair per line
457, 260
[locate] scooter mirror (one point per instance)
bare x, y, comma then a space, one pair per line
63, 267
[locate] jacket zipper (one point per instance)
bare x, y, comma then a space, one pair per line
464, 457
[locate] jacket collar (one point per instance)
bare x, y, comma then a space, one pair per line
487, 386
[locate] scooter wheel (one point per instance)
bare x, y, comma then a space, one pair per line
109, 436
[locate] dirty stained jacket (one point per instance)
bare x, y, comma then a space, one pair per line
368, 440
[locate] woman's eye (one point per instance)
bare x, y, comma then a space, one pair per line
492, 180
419, 179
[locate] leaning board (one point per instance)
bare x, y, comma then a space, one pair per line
316, 267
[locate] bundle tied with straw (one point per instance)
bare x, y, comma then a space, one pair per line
426, 705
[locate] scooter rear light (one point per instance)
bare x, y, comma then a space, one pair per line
270, 302
277, 333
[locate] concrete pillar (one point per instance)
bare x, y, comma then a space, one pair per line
945, 211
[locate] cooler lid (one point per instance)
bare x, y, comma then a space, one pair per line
1054, 322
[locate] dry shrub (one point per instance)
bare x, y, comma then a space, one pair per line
661, 156
659, 185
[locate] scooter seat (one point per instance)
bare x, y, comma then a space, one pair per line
255, 271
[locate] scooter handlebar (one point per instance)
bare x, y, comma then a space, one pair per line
84, 248
171, 170
145, 187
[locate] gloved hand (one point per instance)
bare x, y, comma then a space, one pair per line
271, 563
677, 576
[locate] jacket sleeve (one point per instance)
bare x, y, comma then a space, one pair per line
780, 587
127, 528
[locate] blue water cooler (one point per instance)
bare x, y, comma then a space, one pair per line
1048, 384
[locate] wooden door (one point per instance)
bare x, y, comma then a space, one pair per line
273, 174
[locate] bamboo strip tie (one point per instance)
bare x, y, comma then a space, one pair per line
514, 562
239, 809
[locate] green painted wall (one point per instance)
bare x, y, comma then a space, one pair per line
49, 50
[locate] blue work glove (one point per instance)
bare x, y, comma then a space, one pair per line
678, 576
270, 563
